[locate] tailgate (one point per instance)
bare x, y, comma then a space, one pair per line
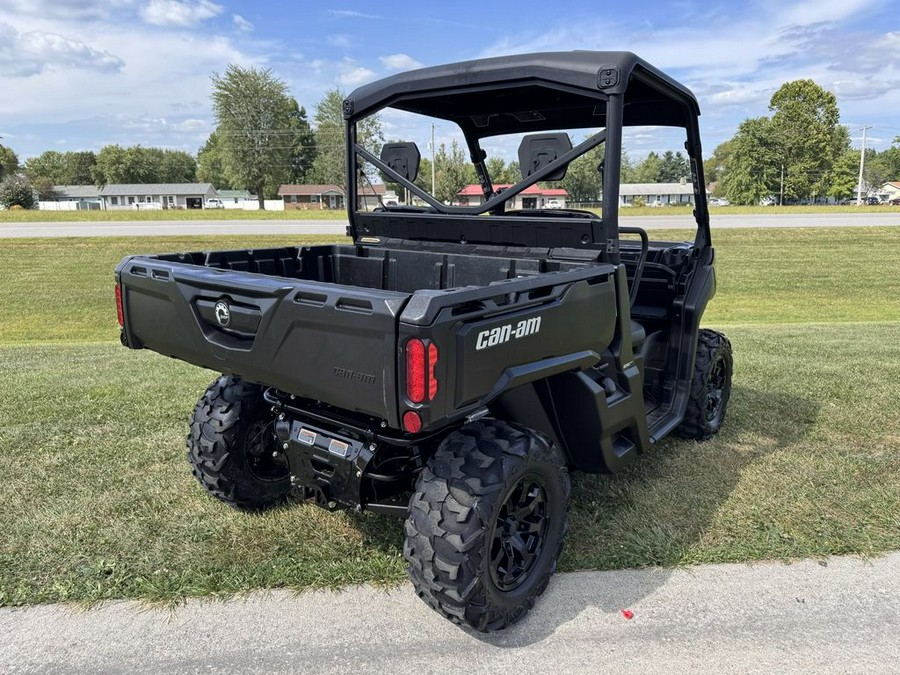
326, 342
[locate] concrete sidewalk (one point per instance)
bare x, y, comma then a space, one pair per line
839, 616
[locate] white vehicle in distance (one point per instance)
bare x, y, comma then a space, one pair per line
553, 204
716, 201
214, 204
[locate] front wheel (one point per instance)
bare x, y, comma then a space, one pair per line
487, 523
710, 387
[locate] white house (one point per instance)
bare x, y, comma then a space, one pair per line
238, 199
890, 191
657, 194
156, 196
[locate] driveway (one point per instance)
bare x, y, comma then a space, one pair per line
836, 616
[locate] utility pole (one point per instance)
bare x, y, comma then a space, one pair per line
432, 159
862, 164
781, 196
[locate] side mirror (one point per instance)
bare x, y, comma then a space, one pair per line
537, 150
403, 158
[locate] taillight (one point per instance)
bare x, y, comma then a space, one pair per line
119, 311
420, 378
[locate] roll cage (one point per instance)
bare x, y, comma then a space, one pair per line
532, 93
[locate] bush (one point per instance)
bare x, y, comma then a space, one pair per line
15, 191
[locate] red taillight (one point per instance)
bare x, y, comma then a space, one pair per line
415, 370
420, 378
412, 423
119, 311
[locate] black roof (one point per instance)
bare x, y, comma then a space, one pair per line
531, 92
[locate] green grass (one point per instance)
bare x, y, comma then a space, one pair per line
99, 503
26, 216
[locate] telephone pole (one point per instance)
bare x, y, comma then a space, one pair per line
862, 164
432, 158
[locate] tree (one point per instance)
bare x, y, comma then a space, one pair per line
211, 164
9, 162
16, 190
452, 172
753, 164
843, 176
502, 173
716, 167
647, 171
673, 167
303, 146
583, 182
136, 164
805, 128
253, 111
328, 167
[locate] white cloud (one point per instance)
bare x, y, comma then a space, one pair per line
65, 9
242, 23
339, 40
178, 13
34, 52
352, 75
399, 62
351, 14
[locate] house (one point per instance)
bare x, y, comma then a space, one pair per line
152, 196
236, 199
657, 194
532, 197
318, 197
72, 198
890, 191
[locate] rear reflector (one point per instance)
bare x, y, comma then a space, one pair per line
432, 380
119, 311
412, 423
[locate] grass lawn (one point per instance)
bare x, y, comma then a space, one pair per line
338, 214
99, 502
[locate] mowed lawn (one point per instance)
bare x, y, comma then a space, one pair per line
98, 500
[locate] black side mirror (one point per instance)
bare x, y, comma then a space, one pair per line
537, 150
403, 158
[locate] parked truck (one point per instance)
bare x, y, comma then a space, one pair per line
453, 363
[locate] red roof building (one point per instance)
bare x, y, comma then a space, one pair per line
532, 197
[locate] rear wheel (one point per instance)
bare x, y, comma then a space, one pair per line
487, 523
232, 447
710, 387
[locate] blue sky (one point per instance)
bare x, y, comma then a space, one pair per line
78, 74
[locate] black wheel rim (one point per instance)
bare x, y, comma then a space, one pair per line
519, 534
261, 454
715, 390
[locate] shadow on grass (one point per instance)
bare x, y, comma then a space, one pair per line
655, 513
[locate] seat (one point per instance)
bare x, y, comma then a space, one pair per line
638, 334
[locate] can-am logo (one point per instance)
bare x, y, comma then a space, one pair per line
500, 334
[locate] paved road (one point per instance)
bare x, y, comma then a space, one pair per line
809, 617
337, 227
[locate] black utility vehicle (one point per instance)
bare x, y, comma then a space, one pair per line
454, 363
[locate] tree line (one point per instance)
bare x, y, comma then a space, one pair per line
263, 138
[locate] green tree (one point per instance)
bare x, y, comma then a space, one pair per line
805, 127
716, 167
753, 163
211, 164
303, 144
253, 112
9, 162
328, 167
843, 176
16, 190
647, 171
583, 182
452, 172
673, 167
136, 164
502, 173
